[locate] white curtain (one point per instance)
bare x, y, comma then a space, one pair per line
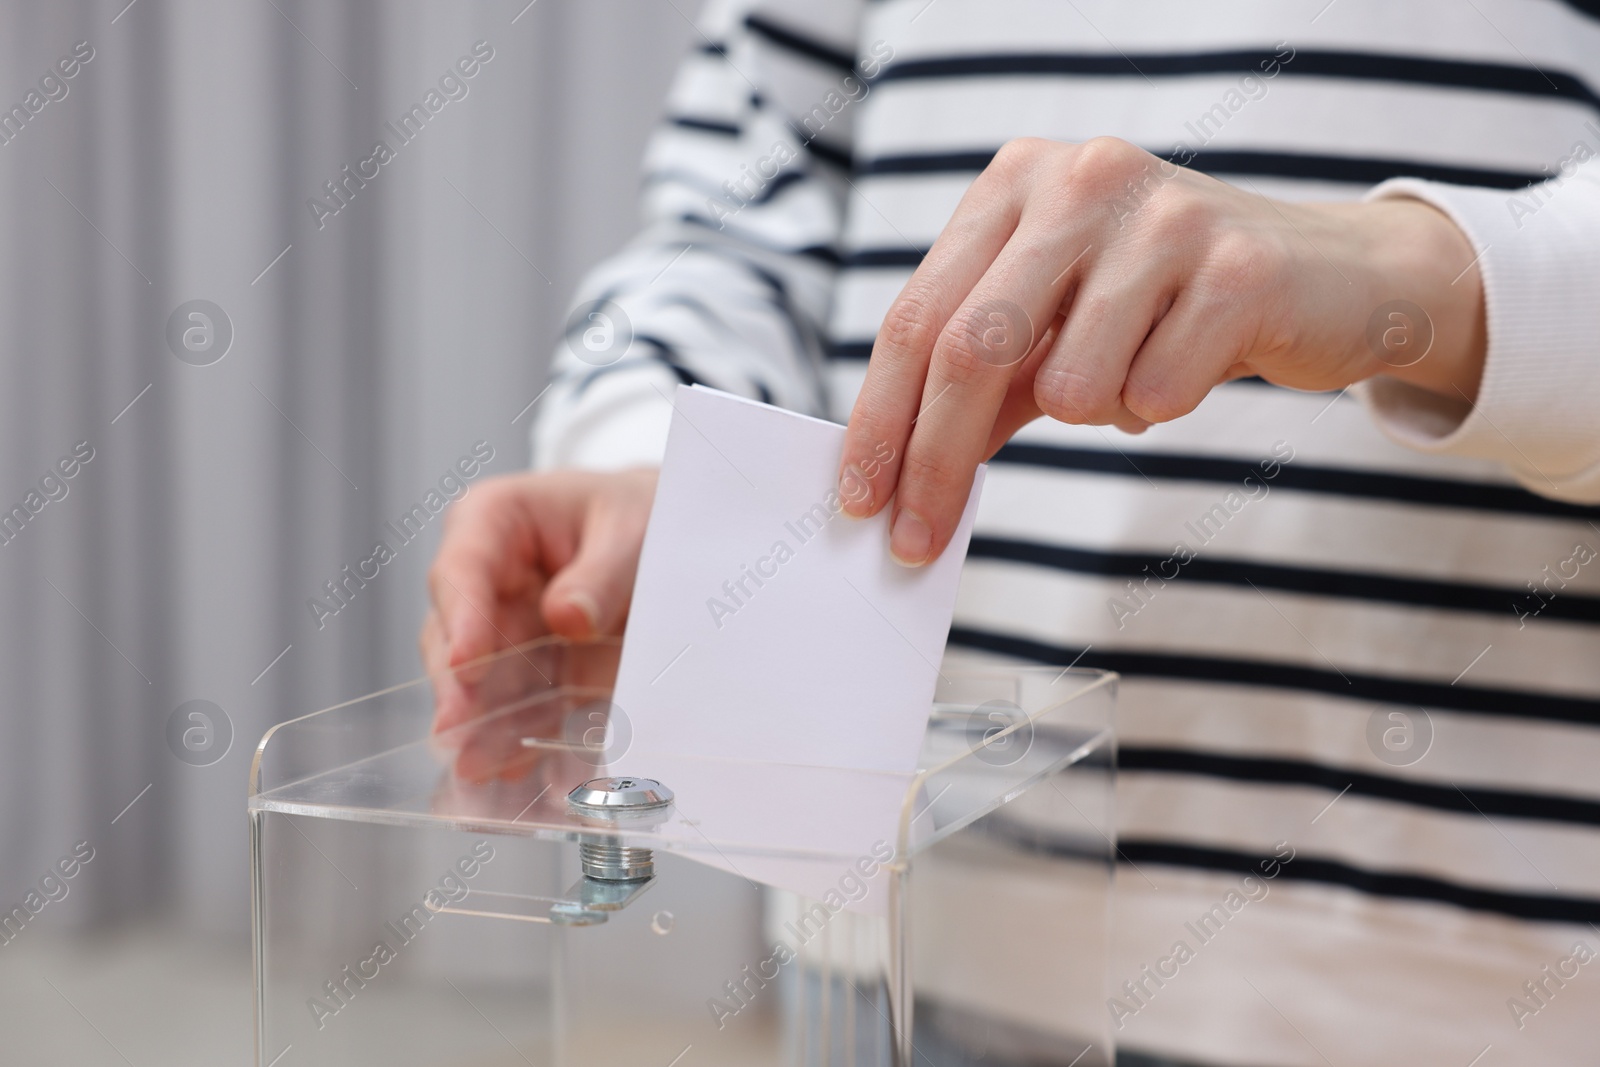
366, 357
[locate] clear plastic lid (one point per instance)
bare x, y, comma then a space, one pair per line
524, 727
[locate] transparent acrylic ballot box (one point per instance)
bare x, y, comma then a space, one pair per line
426, 896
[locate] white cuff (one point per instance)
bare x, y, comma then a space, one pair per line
1538, 407
618, 420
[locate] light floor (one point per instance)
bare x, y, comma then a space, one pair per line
149, 998
139, 997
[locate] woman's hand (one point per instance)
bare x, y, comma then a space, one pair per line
527, 555
1097, 284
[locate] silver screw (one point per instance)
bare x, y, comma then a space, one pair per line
616, 800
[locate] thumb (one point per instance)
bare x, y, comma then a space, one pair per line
589, 596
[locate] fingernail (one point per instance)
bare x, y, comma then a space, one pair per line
855, 492
586, 604
910, 539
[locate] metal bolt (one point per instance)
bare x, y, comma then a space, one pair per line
617, 800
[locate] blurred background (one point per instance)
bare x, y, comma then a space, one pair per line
251, 358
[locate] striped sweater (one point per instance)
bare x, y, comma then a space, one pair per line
1359, 627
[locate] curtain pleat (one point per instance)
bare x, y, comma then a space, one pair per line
370, 349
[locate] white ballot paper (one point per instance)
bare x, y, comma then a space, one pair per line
768, 628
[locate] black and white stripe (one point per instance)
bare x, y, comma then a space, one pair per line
1370, 579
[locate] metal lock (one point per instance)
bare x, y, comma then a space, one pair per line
613, 873
641, 802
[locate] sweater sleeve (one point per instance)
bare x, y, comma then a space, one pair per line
1538, 406
729, 282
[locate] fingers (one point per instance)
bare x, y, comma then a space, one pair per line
477, 556
968, 381
893, 392
1019, 407
955, 360
493, 748
486, 579
589, 596
492, 585
1190, 351
432, 646
1170, 282
1081, 381
980, 352
989, 343
452, 705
